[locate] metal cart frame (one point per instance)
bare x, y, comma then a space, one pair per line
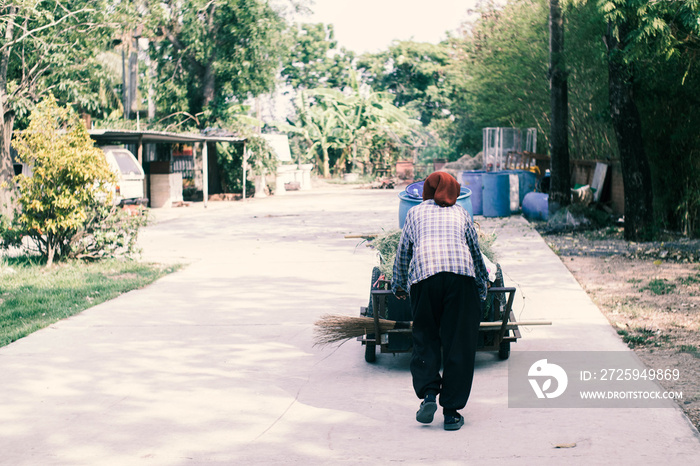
497, 335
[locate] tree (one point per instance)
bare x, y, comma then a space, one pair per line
414, 73
498, 75
638, 30
330, 119
318, 126
46, 47
364, 114
591, 135
314, 59
211, 53
560, 190
69, 177
668, 94
636, 172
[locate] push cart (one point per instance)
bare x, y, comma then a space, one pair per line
497, 331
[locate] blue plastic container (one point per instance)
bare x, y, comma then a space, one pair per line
527, 183
496, 200
408, 201
472, 179
415, 190
536, 206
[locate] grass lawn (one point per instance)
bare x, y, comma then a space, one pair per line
33, 297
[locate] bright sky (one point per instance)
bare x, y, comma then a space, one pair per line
371, 25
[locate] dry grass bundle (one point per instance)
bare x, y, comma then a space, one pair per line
335, 328
387, 244
486, 241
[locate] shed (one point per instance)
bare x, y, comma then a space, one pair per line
201, 166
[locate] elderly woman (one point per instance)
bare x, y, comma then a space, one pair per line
439, 261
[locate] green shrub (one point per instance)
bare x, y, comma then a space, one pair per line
10, 233
110, 232
261, 160
65, 206
230, 158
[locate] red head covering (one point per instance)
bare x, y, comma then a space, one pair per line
442, 187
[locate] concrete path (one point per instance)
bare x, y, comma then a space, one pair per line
216, 365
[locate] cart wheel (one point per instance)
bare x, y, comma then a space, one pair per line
370, 351
504, 350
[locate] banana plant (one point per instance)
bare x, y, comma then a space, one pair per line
328, 118
363, 113
318, 126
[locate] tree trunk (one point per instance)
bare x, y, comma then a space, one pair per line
7, 121
326, 162
560, 188
152, 76
317, 158
8, 193
51, 252
209, 85
636, 173
133, 76
125, 87
209, 79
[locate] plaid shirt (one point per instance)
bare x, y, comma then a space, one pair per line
438, 239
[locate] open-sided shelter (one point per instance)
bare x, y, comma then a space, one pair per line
153, 150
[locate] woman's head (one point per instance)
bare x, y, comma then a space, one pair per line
442, 188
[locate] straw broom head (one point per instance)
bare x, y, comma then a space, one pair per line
335, 328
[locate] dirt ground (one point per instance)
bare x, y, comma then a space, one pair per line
650, 292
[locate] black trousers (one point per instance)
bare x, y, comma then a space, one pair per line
446, 316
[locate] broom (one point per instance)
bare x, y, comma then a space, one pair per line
334, 328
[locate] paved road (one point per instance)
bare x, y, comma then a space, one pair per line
215, 364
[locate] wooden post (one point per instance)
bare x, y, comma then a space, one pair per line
139, 150
245, 163
205, 173
139, 157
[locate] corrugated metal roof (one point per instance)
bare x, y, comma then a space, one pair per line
133, 137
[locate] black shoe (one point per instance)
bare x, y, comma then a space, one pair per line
426, 411
453, 421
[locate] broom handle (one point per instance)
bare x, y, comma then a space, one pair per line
486, 325
514, 324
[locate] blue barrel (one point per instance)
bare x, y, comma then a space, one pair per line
527, 181
472, 179
409, 201
536, 206
496, 200
465, 200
